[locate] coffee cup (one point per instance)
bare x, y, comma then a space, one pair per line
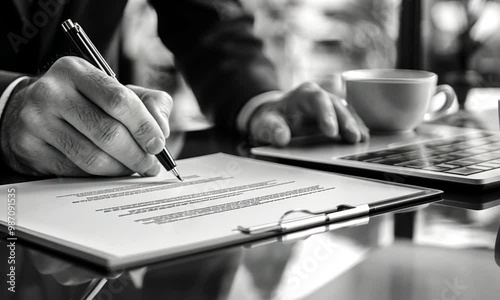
395, 101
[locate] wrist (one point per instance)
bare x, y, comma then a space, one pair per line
13, 105
20, 88
248, 111
263, 108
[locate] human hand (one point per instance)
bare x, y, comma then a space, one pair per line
63, 272
301, 109
266, 265
77, 121
209, 276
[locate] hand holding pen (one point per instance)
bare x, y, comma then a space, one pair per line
76, 120
88, 51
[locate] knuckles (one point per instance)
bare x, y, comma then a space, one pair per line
99, 78
310, 88
99, 164
159, 97
167, 103
120, 101
65, 66
311, 91
42, 90
32, 118
69, 146
108, 133
46, 94
166, 99
160, 100
144, 129
22, 143
64, 62
95, 162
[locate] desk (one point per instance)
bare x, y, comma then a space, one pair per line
450, 256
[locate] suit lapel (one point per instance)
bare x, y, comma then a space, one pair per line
51, 37
22, 7
50, 42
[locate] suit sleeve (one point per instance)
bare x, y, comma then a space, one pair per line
215, 48
8, 81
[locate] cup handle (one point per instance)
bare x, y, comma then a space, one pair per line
450, 98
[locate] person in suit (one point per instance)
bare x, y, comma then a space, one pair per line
62, 116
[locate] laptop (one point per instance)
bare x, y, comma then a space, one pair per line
434, 155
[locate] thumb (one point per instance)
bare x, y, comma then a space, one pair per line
270, 127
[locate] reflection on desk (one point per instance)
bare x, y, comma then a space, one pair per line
406, 271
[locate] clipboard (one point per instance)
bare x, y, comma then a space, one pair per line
339, 214
298, 200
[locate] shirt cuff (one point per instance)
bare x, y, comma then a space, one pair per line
6, 93
251, 106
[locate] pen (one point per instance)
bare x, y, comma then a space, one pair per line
89, 52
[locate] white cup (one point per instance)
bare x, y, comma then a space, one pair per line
394, 101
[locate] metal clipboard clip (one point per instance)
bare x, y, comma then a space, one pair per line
301, 235
340, 213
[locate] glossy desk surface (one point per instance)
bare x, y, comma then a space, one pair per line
432, 252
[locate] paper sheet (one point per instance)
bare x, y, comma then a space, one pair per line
131, 218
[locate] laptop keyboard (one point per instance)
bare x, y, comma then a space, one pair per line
465, 155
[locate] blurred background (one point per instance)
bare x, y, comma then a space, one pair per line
317, 40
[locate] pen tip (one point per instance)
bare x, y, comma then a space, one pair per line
176, 173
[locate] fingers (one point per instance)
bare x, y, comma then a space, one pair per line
270, 127
327, 110
85, 153
323, 111
64, 273
76, 121
109, 135
117, 101
58, 163
105, 147
273, 123
110, 116
44, 159
331, 115
46, 264
158, 103
34, 156
73, 275
365, 132
349, 128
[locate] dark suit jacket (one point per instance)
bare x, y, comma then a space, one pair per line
212, 41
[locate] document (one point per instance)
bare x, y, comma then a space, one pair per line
121, 221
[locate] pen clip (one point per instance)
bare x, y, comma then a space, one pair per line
339, 213
102, 62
